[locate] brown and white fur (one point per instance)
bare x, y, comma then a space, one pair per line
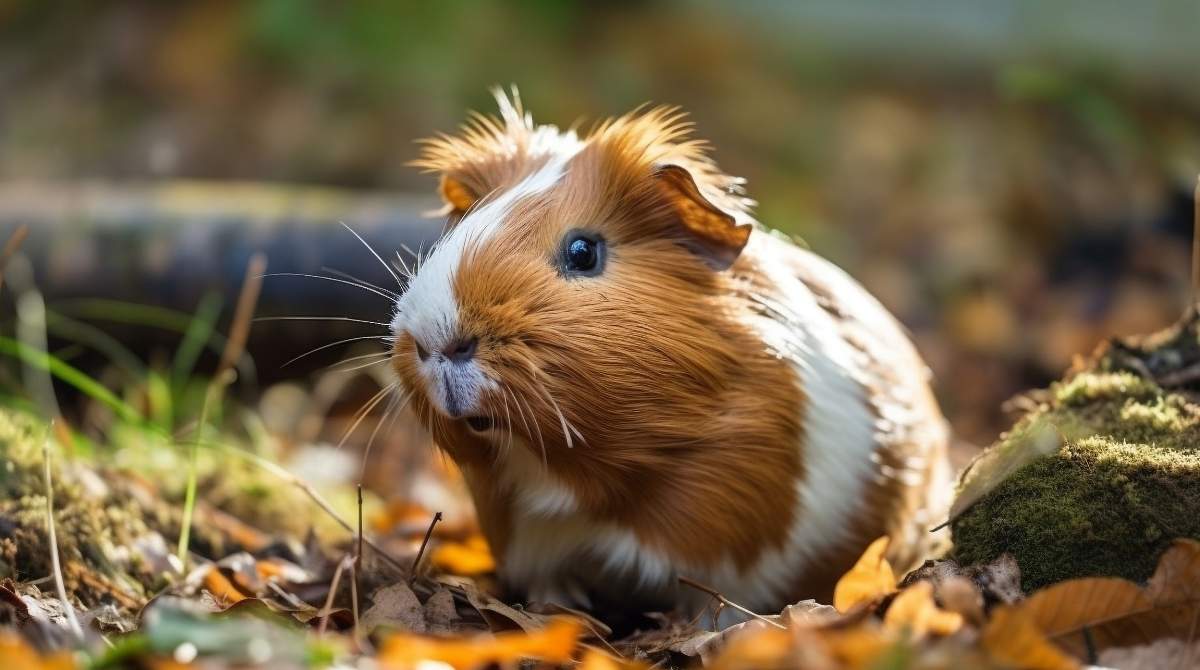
717, 403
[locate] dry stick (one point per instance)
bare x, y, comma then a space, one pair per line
412, 577
68, 609
725, 602
238, 332
313, 495
357, 562
10, 248
337, 576
1196, 245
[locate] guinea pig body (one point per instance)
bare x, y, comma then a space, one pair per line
640, 383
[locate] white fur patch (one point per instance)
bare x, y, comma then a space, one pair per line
429, 309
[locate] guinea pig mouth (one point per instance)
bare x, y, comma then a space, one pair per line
480, 424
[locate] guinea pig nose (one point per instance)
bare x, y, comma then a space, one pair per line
460, 350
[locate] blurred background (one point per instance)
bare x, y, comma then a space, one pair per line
1012, 179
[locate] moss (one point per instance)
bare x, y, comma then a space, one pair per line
95, 525
116, 523
1123, 482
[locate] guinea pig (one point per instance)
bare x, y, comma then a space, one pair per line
640, 383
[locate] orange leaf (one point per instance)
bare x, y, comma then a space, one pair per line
469, 558
1119, 613
763, 648
915, 611
18, 655
220, 586
553, 644
858, 647
1012, 638
598, 660
870, 579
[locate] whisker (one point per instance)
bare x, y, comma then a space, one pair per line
359, 357
541, 442
408, 273
373, 253
389, 416
561, 419
334, 344
332, 279
359, 367
507, 422
365, 410
360, 280
321, 318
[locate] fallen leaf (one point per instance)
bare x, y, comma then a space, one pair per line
807, 613
871, 578
1119, 613
961, 595
395, 607
469, 558
753, 649
1012, 638
18, 655
499, 615
998, 581
914, 610
554, 644
223, 590
440, 612
1164, 653
595, 659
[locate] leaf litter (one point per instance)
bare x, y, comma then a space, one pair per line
277, 577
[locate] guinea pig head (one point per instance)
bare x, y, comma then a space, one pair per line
573, 307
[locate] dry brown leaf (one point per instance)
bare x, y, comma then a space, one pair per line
18, 655
554, 644
871, 578
396, 607
1117, 612
469, 558
1013, 639
440, 612
1164, 653
961, 595
914, 610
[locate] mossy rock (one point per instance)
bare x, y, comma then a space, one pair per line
1100, 474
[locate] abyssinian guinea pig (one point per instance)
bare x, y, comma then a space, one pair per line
639, 382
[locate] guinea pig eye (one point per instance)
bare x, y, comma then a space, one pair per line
582, 254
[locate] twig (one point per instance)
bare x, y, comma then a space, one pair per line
239, 330
1196, 245
337, 576
725, 602
412, 577
59, 584
10, 248
358, 552
312, 494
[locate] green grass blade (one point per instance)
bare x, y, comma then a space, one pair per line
70, 375
198, 333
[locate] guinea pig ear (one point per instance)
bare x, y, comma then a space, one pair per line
457, 196
712, 233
